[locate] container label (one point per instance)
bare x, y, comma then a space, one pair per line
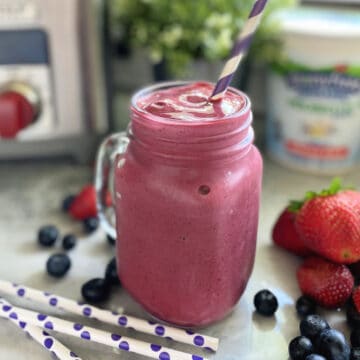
332, 85
314, 116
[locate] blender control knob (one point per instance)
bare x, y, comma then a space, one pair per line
19, 107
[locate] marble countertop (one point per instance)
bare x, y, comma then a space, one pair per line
30, 196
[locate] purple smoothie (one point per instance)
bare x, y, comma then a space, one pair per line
187, 203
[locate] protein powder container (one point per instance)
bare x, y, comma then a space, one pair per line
313, 120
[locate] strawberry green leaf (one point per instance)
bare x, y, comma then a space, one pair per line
295, 205
310, 195
335, 186
333, 189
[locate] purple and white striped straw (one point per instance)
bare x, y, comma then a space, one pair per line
55, 347
89, 311
88, 333
239, 50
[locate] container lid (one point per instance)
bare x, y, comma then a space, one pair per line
319, 21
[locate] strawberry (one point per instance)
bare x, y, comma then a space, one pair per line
329, 223
356, 298
285, 235
84, 204
327, 283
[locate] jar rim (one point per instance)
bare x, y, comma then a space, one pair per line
168, 84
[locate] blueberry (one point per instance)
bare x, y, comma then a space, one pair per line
355, 353
91, 224
48, 235
265, 303
314, 357
332, 345
305, 306
58, 265
355, 338
95, 290
110, 240
67, 203
111, 275
300, 347
312, 326
69, 241
352, 315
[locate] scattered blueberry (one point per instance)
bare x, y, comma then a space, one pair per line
95, 290
111, 275
58, 265
48, 235
67, 202
300, 347
265, 303
305, 306
69, 241
91, 224
314, 357
355, 353
312, 326
110, 240
352, 315
332, 345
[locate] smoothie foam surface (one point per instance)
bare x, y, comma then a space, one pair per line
190, 103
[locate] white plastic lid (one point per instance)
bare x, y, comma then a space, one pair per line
321, 22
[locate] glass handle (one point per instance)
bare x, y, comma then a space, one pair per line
110, 150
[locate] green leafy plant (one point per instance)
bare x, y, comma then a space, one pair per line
181, 30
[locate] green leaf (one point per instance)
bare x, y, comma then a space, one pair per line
204, 29
310, 195
335, 186
295, 205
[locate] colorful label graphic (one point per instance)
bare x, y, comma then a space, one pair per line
314, 116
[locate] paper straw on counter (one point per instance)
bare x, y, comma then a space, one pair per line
42, 337
148, 327
239, 50
88, 333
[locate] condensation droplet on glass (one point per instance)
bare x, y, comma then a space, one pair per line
204, 189
118, 195
121, 163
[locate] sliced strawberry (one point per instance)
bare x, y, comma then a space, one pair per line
356, 298
285, 235
84, 204
329, 284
